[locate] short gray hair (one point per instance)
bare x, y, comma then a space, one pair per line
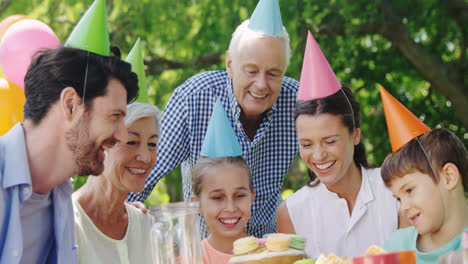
243, 33
137, 110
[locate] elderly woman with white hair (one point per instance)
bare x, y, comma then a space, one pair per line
108, 230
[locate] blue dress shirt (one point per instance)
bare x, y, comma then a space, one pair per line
269, 155
16, 187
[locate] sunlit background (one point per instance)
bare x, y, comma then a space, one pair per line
415, 49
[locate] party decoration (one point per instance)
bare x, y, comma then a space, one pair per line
266, 18
91, 32
11, 105
317, 77
20, 43
220, 140
406, 257
7, 22
135, 58
402, 125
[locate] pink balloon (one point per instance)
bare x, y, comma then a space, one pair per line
20, 43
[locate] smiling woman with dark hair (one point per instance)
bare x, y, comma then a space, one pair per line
346, 207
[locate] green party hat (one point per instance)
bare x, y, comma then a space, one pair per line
135, 58
91, 32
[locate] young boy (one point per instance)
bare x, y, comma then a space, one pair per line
431, 194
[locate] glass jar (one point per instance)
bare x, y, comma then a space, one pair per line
175, 233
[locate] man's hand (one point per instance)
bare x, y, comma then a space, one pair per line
140, 206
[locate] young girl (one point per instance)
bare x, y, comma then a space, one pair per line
346, 207
223, 188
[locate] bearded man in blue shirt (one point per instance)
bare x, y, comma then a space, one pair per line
259, 101
75, 106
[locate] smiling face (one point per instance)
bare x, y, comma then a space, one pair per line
326, 146
127, 165
257, 71
100, 127
420, 201
225, 199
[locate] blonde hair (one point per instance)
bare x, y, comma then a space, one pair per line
204, 163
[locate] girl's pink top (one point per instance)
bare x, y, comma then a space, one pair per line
213, 256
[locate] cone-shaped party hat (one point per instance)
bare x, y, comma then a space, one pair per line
135, 58
266, 18
91, 32
317, 77
220, 140
402, 125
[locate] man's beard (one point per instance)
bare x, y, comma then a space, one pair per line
85, 151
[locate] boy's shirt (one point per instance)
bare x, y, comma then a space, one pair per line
405, 239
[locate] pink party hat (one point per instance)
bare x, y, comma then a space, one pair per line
317, 77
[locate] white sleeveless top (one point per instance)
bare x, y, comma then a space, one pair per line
95, 247
323, 218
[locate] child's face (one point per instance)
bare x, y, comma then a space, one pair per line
326, 146
225, 200
420, 201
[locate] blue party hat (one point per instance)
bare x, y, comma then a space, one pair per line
220, 140
266, 18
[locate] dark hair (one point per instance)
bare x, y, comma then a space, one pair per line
55, 69
204, 163
336, 104
441, 147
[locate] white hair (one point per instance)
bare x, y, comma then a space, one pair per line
137, 110
244, 33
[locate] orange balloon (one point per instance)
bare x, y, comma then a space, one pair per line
402, 125
12, 101
7, 22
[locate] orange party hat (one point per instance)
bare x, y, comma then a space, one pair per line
402, 125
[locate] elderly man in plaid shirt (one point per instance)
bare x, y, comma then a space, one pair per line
259, 101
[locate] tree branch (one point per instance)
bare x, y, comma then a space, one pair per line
444, 77
156, 65
4, 4
458, 10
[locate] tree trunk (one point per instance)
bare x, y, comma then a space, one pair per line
447, 78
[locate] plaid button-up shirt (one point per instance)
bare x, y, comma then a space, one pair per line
269, 155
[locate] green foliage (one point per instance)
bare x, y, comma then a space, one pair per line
159, 195
79, 181
176, 33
